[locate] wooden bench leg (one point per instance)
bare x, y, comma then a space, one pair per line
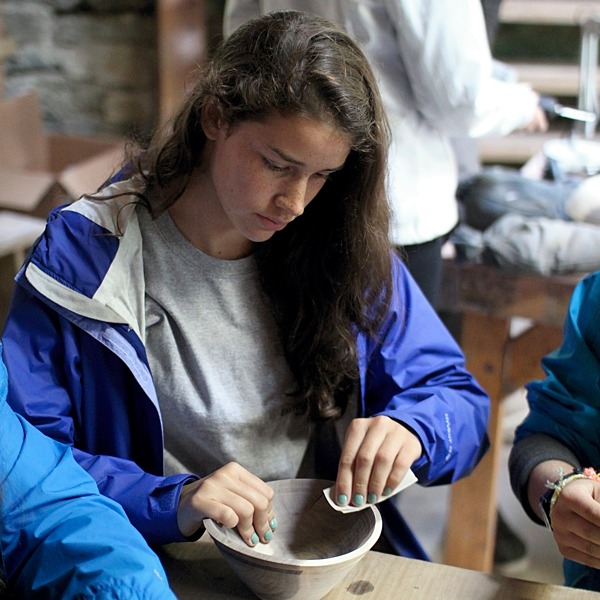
472, 516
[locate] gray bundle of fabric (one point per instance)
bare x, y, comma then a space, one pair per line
527, 225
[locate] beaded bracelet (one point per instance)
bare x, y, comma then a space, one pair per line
548, 500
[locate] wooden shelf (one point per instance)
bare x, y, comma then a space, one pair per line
551, 79
548, 12
515, 149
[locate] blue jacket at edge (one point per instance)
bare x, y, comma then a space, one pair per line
566, 404
60, 538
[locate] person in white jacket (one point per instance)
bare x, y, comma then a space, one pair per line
435, 71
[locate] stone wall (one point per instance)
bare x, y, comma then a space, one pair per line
93, 62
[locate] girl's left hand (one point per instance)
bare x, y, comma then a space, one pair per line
376, 456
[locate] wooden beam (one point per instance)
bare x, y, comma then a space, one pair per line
548, 12
472, 516
182, 46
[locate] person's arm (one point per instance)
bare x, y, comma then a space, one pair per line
67, 383
560, 432
525, 456
571, 507
451, 74
543, 475
573, 510
417, 377
566, 404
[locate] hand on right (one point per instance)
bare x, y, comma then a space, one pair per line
377, 453
539, 122
233, 497
576, 522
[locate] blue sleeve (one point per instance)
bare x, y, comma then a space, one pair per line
60, 386
566, 404
416, 375
59, 537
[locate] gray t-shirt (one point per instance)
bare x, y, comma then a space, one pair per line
217, 361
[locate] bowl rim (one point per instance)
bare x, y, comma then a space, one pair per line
215, 531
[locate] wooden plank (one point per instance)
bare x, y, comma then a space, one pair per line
488, 299
197, 570
514, 149
524, 354
472, 515
548, 12
504, 294
551, 79
182, 46
517, 148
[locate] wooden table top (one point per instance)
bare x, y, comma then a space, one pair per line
196, 570
489, 290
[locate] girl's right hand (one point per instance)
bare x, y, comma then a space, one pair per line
233, 497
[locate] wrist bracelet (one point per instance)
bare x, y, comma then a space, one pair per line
549, 498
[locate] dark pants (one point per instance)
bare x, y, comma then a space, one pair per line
490, 12
424, 261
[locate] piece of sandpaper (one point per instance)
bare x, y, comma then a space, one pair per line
408, 480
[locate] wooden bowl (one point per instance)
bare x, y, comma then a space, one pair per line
313, 548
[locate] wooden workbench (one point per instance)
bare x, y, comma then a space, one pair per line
488, 299
197, 570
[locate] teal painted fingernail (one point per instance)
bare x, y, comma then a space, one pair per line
342, 500
273, 524
387, 491
268, 535
372, 498
358, 499
254, 539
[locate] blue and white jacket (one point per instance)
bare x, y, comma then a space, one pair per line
74, 340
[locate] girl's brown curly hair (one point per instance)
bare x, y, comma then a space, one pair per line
327, 275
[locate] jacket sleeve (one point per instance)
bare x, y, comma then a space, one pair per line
416, 375
451, 74
566, 404
60, 538
56, 375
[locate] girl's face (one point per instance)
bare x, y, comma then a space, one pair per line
263, 174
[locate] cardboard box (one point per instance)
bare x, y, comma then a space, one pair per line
40, 170
17, 234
